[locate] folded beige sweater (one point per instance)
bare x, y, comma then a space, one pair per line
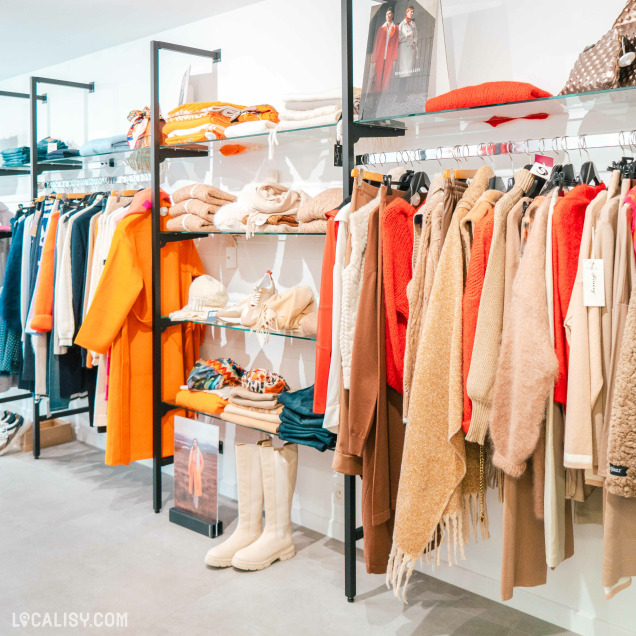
190, 223
203, 192
194, 206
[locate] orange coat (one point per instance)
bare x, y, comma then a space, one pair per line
120, 319
194, 474
42, 320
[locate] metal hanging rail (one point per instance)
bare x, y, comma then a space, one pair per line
95, 181
582, 143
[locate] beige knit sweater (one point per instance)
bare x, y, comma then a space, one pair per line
434, 462
418, 302
481, 375
467, 225
527, 365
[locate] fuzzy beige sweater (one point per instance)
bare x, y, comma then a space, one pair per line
527, 366
434, 461
483, 365
418, 300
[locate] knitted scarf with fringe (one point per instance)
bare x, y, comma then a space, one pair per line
441, 497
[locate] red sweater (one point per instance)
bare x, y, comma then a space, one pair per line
482, 238
397, 271
325, 311
567, 231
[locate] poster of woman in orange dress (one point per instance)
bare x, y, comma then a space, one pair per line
195, 469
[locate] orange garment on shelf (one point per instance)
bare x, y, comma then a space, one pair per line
42, 320
567, 232
195, 471
200, 401
325, 311
120, 320
472, 296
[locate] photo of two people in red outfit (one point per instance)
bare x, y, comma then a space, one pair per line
399, 55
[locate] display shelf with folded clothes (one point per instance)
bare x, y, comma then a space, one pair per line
468, 110
291, 313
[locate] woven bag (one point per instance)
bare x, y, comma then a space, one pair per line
599, 66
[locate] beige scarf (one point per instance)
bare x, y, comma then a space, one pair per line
440, 483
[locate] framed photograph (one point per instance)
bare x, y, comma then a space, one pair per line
196, 461
402, 51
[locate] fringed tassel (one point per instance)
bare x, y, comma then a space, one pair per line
474, 506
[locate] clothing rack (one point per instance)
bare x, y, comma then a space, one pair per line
581, 143
91, 182
33, 98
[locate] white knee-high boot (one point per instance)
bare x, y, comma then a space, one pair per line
279, 467
250, 507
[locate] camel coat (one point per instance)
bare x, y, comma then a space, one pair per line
120, 319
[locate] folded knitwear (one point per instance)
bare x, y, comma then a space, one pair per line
104, 145
308, 101
310, 122
313, 439
488, 94
230, 217
63, 153
202, 121
301, 402
247, 394
194, 206
318, 206
258, 220
261, 415
250, 422
313, 227
200, 401
266, 405
302, 115
203, 192
190, 223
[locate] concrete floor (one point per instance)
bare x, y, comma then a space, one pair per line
78, 536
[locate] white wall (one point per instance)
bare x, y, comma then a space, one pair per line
274, 47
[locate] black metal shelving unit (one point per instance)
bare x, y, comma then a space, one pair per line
6, 234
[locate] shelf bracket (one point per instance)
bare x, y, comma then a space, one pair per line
171, 237
387, 128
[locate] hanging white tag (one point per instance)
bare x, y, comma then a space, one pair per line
593, 282
51, 147
541, 170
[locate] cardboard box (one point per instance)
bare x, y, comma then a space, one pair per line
52, 433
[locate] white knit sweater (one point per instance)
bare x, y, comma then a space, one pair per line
352, 283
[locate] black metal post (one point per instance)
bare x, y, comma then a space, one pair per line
350, 536
155, 140
156, 156
41, 98
33, 103
36, 428
347, 96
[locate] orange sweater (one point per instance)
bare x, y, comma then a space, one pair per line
325, 311
42, 320
397, 271
567, 231
472, 296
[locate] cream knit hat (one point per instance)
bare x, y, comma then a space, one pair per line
206, 294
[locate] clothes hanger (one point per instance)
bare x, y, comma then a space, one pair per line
588, 174
458, 173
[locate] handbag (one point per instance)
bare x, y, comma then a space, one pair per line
610, 62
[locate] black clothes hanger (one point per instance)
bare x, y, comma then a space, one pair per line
589, 174
419, 183
561, 176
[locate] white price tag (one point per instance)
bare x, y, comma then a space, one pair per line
541, 170
593, 282
52, 147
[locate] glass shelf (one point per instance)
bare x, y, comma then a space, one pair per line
616, 104
186, 235
292, 135
288, 333
172, 405
13, 171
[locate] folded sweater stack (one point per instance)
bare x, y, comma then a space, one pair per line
263, 207
254, 408
194, 206
312, 215
299, 423
314, 109
204, 121
47, 149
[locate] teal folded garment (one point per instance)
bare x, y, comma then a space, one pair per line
301, 402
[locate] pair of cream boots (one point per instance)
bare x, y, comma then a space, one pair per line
268, 474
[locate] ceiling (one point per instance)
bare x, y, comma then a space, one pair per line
39, 33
